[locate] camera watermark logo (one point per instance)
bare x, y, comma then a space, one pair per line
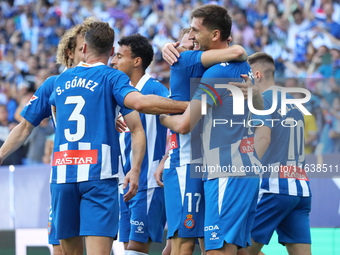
238, 100
204, 97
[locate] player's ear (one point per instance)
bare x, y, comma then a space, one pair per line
216, 35
70, 53
258, 75
84, 47
229, 40
137, 62
112, 51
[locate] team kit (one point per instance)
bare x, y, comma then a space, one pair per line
131, 156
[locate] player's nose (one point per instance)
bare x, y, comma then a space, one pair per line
114, 60
191, 35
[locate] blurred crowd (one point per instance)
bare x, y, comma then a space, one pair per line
303, 36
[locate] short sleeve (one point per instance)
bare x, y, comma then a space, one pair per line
39, 106
125, 111
191, 62
121, 87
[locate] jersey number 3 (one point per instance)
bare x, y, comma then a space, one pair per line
76, 116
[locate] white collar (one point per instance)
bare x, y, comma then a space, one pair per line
90, 65
142, 81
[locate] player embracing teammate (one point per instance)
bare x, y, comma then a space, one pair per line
222, 207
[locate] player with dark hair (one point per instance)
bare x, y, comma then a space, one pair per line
143, 217
284, 202
69, 54
85, 161
225, 228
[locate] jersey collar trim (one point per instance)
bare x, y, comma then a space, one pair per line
142, 81
90, 65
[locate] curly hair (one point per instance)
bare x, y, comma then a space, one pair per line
69, 41
140, 47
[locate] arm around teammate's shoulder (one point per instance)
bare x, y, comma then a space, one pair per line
215, 56
152, 104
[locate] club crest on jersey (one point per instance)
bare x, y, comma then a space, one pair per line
34, 97
247, 145
189, 222
75, 157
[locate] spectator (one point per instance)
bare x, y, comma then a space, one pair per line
241, 26
329, 25
300, 24
36, 142
261, 37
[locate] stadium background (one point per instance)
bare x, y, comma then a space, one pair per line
302, 36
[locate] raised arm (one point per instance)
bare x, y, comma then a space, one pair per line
152, 104
232, 53
134, 123
170, 53
15, 139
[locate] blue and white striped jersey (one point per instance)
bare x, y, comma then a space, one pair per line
155, 134
188, 66
228, 143
284, 160
39, 107
87, 98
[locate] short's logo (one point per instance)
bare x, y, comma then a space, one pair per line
210, 228
189, 222
34, 97
214, 236
139, 230
136, 223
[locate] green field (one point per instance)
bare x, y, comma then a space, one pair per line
324, 241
